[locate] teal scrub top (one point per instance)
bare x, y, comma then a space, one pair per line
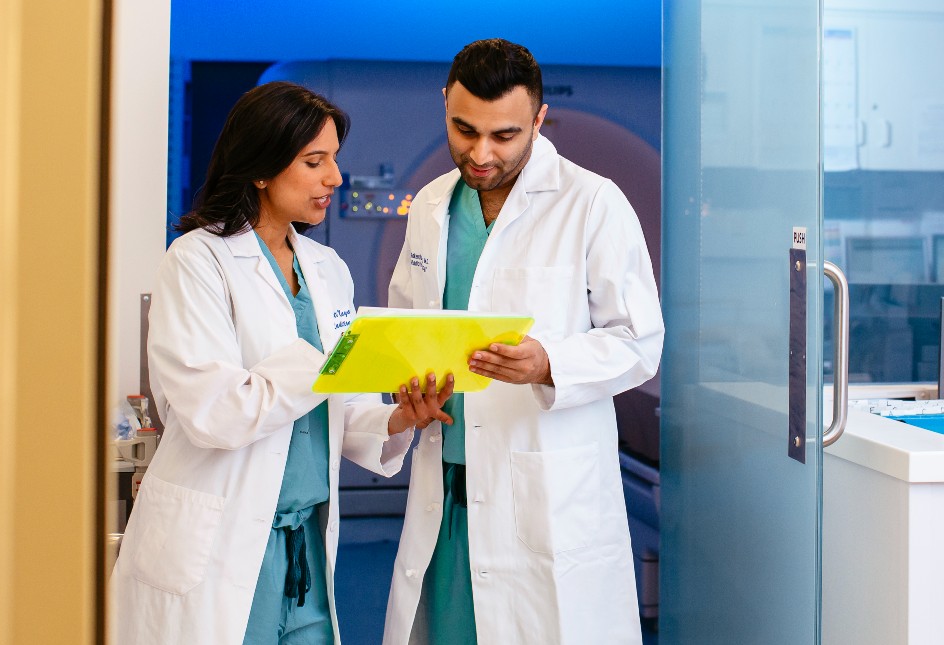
467, 236
275, 615
447, 585
305, 482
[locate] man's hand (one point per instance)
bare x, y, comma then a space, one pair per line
524, 363
416, 409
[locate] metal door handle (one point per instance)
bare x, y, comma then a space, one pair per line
840, 353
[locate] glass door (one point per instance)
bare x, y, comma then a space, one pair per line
741, 462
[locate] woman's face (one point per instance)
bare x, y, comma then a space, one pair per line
302, 192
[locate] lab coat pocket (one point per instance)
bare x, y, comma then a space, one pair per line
176, 527
557, 498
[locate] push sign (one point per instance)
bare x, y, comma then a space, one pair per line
799, 238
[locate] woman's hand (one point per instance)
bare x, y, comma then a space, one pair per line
416, 409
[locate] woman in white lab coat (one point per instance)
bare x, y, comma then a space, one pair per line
234, 531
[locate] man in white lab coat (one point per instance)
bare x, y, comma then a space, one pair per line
515, 528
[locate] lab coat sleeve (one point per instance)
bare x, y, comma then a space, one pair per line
624, 346
366, 441
194, 355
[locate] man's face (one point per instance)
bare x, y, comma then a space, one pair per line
490, 141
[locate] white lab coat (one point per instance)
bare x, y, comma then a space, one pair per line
230, 376
549, 546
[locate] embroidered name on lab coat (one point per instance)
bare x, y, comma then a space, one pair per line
344, 315
420, 261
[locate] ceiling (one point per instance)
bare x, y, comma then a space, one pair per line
592, 32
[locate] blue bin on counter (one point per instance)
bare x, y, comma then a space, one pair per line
932, 422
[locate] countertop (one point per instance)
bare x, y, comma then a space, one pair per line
903, 451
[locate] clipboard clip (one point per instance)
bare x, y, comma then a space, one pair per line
341, 350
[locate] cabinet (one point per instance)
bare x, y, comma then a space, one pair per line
893, 74
883, 490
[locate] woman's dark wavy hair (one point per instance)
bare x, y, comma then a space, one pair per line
264, 132
491, 68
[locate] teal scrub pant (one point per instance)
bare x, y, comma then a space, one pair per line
277, 618
448, 582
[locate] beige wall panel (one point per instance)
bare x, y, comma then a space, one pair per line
51, 90
9, 180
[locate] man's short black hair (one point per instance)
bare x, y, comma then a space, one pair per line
491, 68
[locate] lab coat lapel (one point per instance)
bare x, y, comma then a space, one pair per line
310, 260
438, 205
517, 203
541, 173
247, 248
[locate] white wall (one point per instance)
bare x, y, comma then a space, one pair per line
138, 177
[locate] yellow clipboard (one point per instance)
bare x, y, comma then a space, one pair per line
384, 348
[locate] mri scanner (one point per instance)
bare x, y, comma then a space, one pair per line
606, 119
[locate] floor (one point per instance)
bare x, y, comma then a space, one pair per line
363, 580
361, 586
